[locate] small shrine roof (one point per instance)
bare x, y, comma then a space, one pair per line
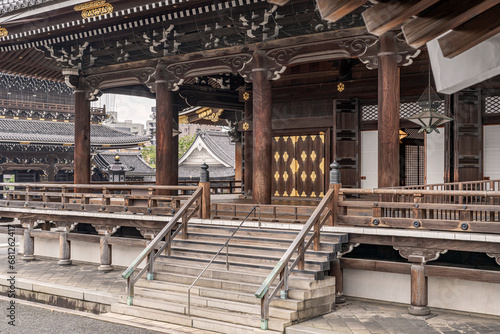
129, 159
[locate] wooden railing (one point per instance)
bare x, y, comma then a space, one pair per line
94, 197
288, 262
492, 185
41, 106
168, 233
274, 213
216, 187
442, 210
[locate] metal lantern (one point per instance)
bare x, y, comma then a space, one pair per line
429, 118
117, 170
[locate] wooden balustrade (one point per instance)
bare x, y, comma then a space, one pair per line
47, 107
272, 213
444, 210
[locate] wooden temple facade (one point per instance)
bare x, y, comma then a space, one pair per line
306, 83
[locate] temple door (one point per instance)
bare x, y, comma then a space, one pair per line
299, 166
468, 136
346, 143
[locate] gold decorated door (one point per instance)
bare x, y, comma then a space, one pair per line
299, 166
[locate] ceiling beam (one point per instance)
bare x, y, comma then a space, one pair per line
386, 16
471, 33
334, 10
442, 17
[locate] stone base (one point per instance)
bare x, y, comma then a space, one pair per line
339, 299
105, 267
27, 258
64, 262
419, 310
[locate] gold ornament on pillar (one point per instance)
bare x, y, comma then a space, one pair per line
340, 87
402, 135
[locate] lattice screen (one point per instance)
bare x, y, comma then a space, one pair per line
414, 162
370, 112
492, 105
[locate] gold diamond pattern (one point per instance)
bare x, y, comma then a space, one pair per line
313, 176
294, 192
321, 194
303, 156
303, 138
313, 156
285, 176
303, 194
276, 176
276, 193
322, 137
313, 194
322, 166
294, 139
285, 194
294, 166
285, 156
277, 139
313, 137
277, 156
246, 126
303, 176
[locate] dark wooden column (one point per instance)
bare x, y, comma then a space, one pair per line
262, 137
388, 112
82, 136
175, 148
248, 151
165, 153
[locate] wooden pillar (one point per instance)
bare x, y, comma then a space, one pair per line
238, 151
166, 155
205, 184
82, 137
262, 136
29, 245
338, 272
388, 112
418, 290
248, 152
105, 254
175, 148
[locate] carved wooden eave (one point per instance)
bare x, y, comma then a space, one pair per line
469, 22
419, 255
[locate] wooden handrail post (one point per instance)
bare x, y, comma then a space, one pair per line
205, 184
418, 290
29, 241
335, 184
64, 249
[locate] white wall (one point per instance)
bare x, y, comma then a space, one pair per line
453, 294
491, 147
369, 159
434, 152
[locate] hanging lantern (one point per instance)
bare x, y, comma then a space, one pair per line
429, 118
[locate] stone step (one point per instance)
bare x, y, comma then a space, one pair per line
201, 323
263, 232
247, 260
240, 275
257, 249
163, 263
179, 300
237, 296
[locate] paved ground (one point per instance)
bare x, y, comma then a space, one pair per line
31, 320
366, 317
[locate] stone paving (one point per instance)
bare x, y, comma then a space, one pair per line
368, 317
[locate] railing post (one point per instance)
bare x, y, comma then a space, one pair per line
205, 184
316, 234
418, 289
300, 254
335, 184
64, 250
264, 311
184, 227
284, 288
29, 241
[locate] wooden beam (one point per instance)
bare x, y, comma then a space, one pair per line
471, 33
82, 136
278, 2
334, 10
444, 16
386, 16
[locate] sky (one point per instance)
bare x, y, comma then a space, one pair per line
137, 109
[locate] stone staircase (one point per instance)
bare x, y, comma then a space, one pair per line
224, 301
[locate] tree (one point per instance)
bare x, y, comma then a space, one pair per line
185, 143
149, 154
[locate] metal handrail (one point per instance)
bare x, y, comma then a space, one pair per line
298, 245
149, 250
226, 244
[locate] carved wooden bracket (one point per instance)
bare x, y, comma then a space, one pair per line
148, 233
404, 53
106, 230
496, 256
347, 248
65, 226
97, 82
420, 255
30, 223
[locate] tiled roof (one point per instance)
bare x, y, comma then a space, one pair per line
129, 159
219, 143
216, 172
11, 5
13, 130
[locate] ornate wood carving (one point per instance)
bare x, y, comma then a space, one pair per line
420, 255
148, 233
404, 53
496, 256
347, 248
95, 83
30, 223
106, 230
65, 226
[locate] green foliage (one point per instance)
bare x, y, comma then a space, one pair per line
185, 143
149, 154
